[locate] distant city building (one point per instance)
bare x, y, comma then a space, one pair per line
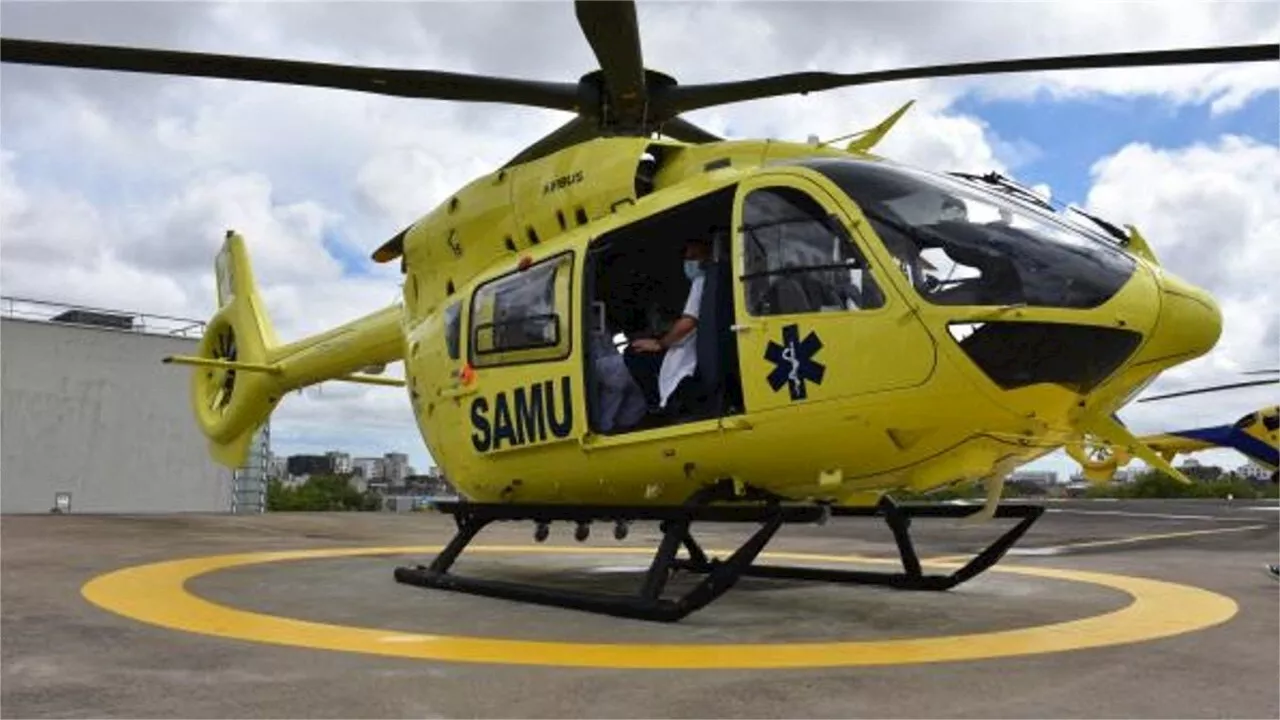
369, 468
374, 473
1253, 471
1203, 473
309, 465
395, 468
1043, 478
431, 484
341, 462
277, 467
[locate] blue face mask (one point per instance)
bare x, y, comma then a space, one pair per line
692, 269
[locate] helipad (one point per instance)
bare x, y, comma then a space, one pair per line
157, 594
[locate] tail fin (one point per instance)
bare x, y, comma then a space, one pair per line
230, 404
241, 372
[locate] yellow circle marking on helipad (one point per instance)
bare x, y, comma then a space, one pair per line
157, 594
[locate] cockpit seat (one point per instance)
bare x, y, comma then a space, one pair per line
717, 349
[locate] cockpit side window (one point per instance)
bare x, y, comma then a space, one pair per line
799, 259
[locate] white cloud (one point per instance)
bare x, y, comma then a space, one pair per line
137, 177
1212, 214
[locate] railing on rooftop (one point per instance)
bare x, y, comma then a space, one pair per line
126, 320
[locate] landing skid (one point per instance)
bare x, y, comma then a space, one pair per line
648, 602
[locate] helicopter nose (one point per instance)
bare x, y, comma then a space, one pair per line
1188, 325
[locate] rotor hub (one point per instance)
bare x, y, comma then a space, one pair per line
627, 115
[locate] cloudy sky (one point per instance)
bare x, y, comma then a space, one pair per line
116, 188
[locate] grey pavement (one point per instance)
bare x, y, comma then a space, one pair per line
63, 657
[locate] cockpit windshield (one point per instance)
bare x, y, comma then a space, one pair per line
960, 245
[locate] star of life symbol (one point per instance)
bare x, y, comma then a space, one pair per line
793, 362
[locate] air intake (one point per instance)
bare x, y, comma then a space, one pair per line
1018, 354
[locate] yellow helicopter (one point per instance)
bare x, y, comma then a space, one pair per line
636, 320
1256, 435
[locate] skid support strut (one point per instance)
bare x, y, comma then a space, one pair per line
912, 577
648, 602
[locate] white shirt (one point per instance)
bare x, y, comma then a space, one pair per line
681, 359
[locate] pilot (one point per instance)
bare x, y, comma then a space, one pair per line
677, 349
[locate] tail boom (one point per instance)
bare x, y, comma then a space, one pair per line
375, 339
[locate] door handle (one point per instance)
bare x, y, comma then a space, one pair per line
741, 328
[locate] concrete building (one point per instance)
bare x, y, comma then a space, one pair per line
395, 467
93, 422
369, 468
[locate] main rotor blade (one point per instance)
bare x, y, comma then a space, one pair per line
1215, 388
381, 81
688, 132
579, 129
683, 98
614, 35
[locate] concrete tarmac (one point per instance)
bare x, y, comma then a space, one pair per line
66, 657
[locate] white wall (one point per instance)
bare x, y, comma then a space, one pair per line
93, 412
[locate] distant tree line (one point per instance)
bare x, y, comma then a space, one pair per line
320, 493
1156, 484
1148, 484
325, 493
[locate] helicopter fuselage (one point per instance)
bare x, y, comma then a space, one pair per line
840, 404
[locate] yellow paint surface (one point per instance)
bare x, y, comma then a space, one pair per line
156, 594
